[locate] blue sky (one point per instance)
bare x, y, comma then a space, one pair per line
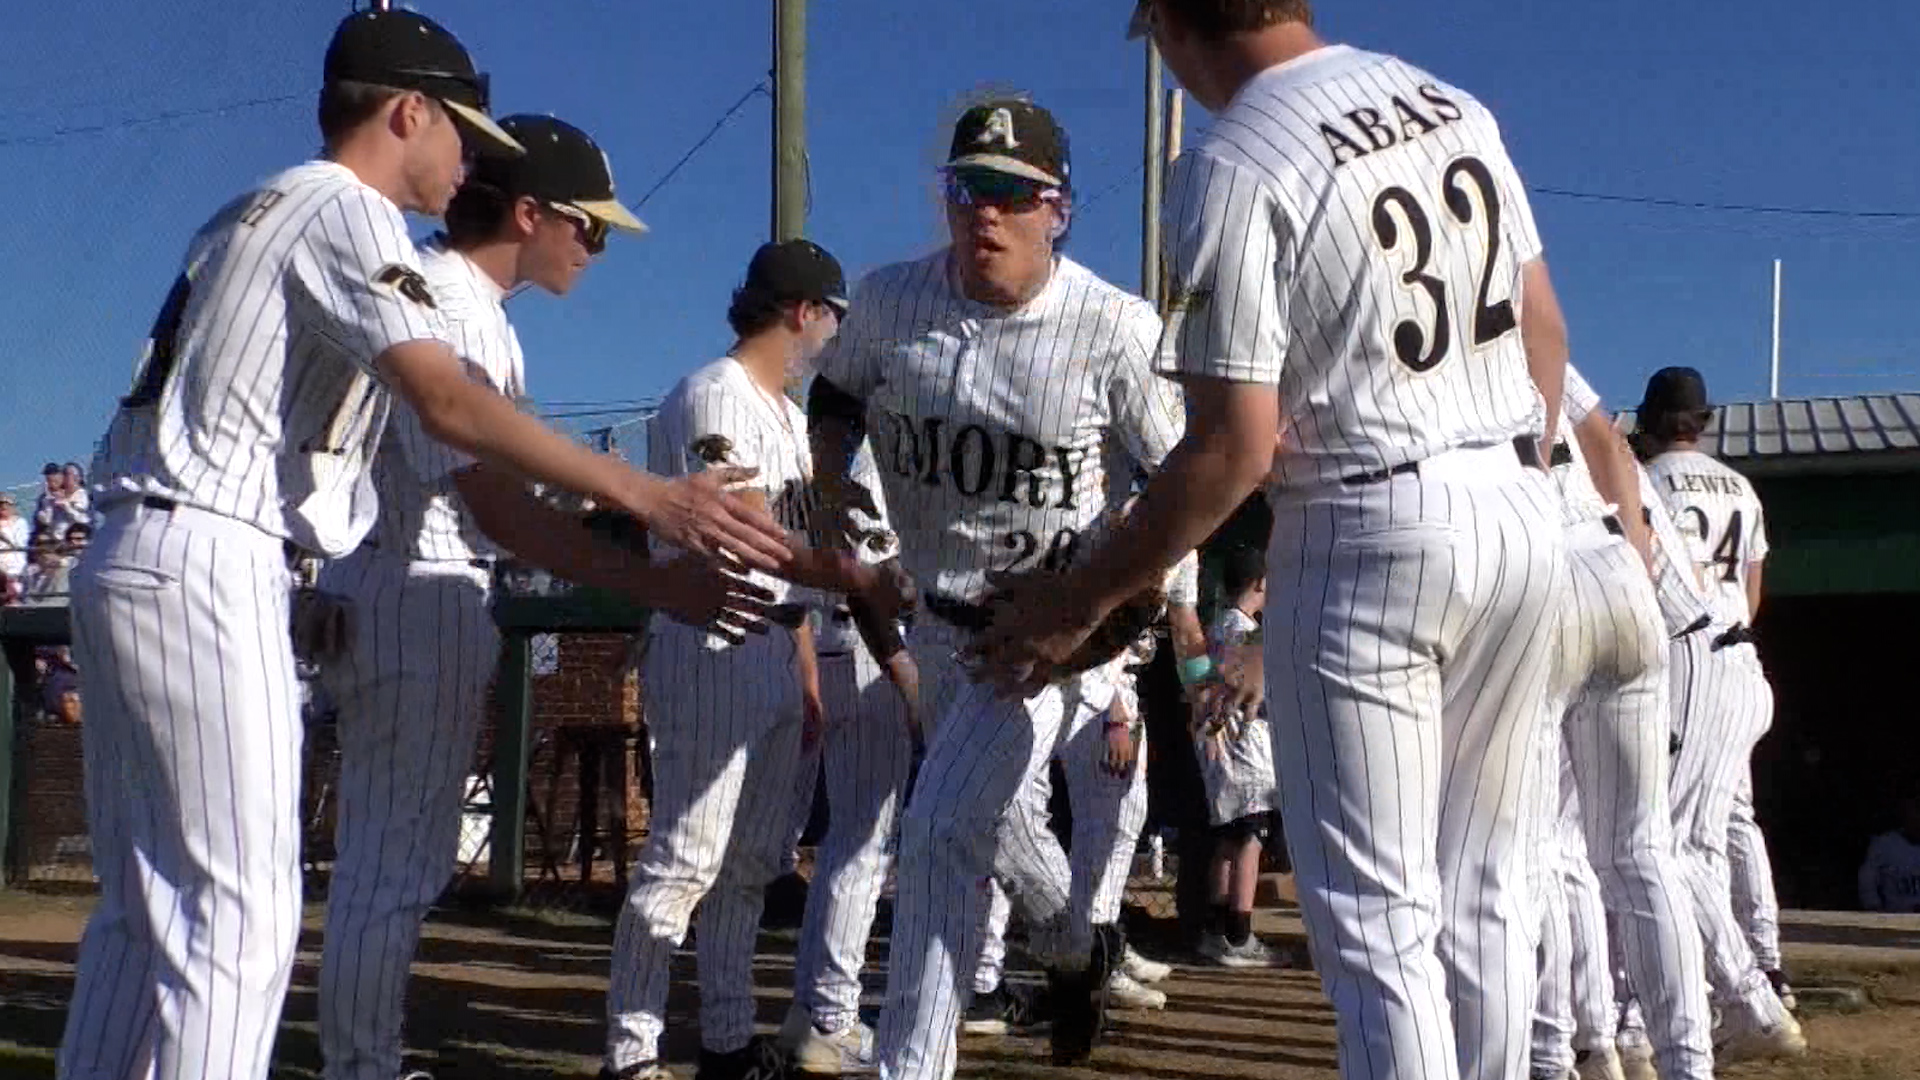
1713, 101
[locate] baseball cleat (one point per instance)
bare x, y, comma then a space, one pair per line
1006, 1009
1080, 1001
1742, 1038
1142, 970
1603, 1064
1636, 1056
1125, 992
847, 1052
1251, 953
1783, 990
760, 1059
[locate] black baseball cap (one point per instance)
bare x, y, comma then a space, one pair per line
1011, 136
799, 270
408, 51
562, 165
1674, 389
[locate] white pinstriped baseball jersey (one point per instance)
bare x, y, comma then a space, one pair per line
1676, 582
719, 416
1314, 230
989, 427
1722, 520
257, 398
420, 513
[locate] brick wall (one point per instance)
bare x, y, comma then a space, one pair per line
591, 686
53, 819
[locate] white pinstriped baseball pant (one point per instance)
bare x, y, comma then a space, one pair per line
1755, 905
1722, 706
411, 693
1407, 666
869, 754
1108, 814
967, 825
1614, 674
192, 751
725, 732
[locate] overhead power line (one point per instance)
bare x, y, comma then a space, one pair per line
125, 123
758, 88
1731, 208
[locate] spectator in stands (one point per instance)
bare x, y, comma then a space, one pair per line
1890, 876
64, 502
45, 581
75, 541
13, 546
59, 684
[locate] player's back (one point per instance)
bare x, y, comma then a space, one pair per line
253, 399
1401, 230
1722, 521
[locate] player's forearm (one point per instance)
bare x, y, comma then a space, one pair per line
1753, 590
553, 541
1543, 333
479, 421
1226, 453
1183, 627
836, 424
806, 659
830, 571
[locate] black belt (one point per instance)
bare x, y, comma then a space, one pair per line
1525, 448
962, 614
843, 653
1612, 522
1562, 455
293, 552
842, 615
478, 562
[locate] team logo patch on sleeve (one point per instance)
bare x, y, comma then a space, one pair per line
713, 449
406, 281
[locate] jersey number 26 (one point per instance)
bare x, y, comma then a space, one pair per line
1400, 218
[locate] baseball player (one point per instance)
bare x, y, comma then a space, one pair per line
1610, 686
994, 374
868, 708
724, 716
1352, 234
1236, 762
244, 441
1890, 874
1723, 703
411, 682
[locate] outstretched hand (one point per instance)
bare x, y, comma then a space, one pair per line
700, 514
705, 594
1035, 631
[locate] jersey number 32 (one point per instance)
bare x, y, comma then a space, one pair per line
1400, 220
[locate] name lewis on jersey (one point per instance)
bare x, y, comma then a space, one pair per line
1371, 129
979, 462
1708, 483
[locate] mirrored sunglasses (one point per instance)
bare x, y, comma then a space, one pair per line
1014, 194
593, 231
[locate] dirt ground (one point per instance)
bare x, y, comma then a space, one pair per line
515, 996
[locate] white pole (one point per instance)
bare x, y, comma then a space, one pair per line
1775, 383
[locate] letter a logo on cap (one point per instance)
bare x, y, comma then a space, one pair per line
999, 126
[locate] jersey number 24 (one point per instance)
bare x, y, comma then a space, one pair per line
1400, 218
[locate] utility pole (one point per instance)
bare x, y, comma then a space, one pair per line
1156, 181
1773, 383
789, 119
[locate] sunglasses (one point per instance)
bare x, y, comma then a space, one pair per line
593, 231
1012, 194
